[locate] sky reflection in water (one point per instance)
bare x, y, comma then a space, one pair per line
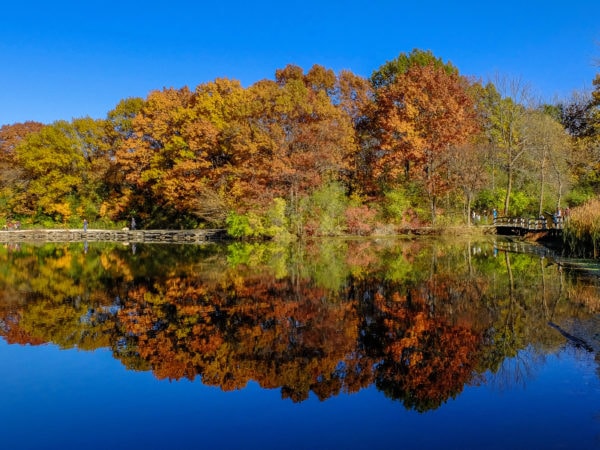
546, 396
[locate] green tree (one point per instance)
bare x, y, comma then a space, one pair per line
391, 70
506, 112
548, 150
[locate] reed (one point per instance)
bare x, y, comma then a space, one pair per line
582, 229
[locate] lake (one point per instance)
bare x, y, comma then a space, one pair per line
334, 344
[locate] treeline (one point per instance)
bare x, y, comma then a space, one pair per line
310, 152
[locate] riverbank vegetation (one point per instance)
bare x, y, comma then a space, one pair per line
582, 230
309, 153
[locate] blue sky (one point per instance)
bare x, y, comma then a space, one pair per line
66, 59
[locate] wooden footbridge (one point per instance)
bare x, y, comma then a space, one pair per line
99, 235
552, 226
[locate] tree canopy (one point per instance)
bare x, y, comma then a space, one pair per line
308, 152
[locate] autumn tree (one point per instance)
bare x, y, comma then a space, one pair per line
293, 137
596, 103
421, 115
164, 159
119, 120
391, 70
119, 127
355, 96
63, 165
11, 173
581, 118
93, 141
314, 139
11, 135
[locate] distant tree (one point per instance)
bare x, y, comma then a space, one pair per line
586, 157
11, 135
595, 119
580, 116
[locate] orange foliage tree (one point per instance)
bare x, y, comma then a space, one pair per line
223, 147
421, 115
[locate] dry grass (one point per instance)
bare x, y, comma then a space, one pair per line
582, 229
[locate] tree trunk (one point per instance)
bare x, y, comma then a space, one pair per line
433, 210
508, 189
542, 182
469, 201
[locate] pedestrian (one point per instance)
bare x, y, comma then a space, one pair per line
494, 214
85, 225
133, 223
559, 217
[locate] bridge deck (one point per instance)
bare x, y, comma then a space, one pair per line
522, 225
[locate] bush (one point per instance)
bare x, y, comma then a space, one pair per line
273, 224
242, 226
324, 209
579, 196
360, 220
487, 200
396, 205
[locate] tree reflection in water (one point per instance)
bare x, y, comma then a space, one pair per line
419, 319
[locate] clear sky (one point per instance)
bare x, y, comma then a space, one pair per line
64, 59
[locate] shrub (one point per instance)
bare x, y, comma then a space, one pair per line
360, 220
323, 210
396, 205
243, 225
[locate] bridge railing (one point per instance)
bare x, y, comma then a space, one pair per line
528, 223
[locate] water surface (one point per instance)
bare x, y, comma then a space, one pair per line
335, 344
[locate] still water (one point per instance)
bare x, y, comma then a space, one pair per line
350, 344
